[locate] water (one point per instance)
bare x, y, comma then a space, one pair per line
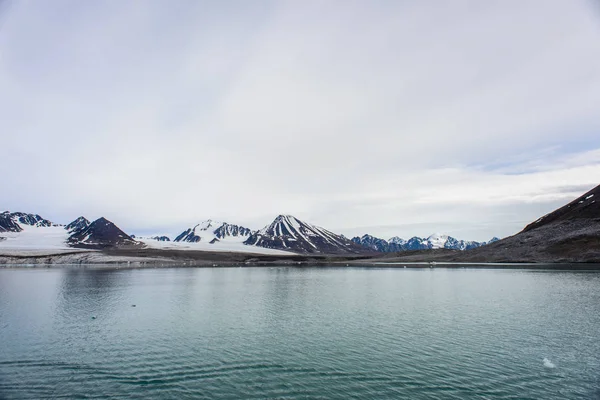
297, 333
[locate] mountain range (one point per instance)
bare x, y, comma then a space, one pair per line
435, 241
571, 232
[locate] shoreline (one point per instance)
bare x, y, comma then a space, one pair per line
334, 265
124, 257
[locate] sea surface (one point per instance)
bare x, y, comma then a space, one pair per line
299, 333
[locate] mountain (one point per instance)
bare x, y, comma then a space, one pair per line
77, 225
212, 231
11, 222
289, 233
100, 233
569, 234
435, 241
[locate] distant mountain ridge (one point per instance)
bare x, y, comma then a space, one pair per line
435, 241
287, 232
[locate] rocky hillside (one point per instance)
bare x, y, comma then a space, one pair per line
289, 233
568, 234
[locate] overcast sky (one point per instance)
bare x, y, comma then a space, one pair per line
470, 118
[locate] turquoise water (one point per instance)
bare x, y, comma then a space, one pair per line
299, 333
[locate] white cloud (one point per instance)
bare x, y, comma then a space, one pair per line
397, 118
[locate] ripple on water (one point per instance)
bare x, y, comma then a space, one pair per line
293, 333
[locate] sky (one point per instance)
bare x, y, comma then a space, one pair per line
393, 118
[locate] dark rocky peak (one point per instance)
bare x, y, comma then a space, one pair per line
77, 225
101, 233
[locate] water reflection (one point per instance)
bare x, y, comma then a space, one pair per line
87, 293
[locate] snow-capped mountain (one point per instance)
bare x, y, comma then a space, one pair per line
77, 225
381, 245
23, 233
11, 222
435, 241
289, 233
397, 240
100, 233
212, 231
8, 224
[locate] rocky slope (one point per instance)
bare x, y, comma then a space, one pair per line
289, 233
568, 234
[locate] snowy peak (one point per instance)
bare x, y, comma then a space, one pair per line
211, 231
77, 225
100, 233
13, 222
437, 241
31, 219
287, 232
397, 240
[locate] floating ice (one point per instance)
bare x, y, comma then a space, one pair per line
548, 363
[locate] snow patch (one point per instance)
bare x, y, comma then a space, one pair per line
229, 245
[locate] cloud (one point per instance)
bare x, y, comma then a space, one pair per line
463, 117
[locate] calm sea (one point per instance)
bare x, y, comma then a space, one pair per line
299, 333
